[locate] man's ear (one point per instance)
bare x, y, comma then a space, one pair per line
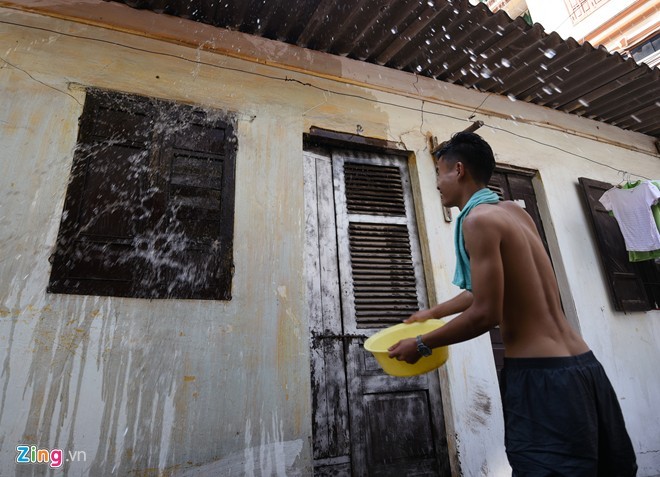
459, 167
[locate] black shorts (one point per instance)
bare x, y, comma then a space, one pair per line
562, 418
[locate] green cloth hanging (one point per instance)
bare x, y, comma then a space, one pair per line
655, 209
462, 275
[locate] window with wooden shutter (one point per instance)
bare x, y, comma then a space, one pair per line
383, 276
632, 286
150, 203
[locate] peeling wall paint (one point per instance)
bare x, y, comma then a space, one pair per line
182, 387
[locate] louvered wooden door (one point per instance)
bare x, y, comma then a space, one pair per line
364, 273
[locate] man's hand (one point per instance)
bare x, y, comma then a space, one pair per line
421, 315
405, 350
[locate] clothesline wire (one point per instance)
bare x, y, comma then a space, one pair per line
307, 84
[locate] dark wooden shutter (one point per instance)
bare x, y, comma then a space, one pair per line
383, 273
101, 219
375, 190
625, 285
499, 185
197, 202
384, 282
149, 208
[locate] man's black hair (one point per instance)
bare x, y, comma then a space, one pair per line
470, 149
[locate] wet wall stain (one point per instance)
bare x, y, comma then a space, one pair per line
159, 411
480, 409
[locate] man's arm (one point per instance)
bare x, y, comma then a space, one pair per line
482, 241
459, 303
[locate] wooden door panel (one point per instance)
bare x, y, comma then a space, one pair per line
399, 435
349, 388
330, 424
498, 349
342, 469
498, 184
386, 384
329, 400
373, 379
392, 419
521, 188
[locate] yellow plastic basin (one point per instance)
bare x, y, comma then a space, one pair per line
381, 341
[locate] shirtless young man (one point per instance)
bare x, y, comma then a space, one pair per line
562, 417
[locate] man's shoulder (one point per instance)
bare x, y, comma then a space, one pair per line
486, 212
503, 208
490, 218
483, 218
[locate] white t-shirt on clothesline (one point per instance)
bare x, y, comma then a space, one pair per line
632, 210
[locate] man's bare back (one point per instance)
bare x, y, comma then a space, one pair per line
533, 323
513, 286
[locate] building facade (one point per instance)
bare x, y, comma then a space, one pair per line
629, 27
263, 373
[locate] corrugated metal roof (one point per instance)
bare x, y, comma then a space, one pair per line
451, 41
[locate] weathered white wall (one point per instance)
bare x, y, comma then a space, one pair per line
136, 384
183, 387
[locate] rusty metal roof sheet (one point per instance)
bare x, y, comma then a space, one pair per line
451, 41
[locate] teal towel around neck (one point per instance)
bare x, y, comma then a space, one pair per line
462, 276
